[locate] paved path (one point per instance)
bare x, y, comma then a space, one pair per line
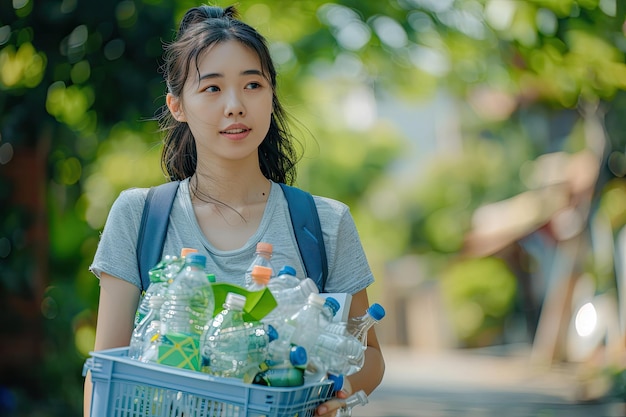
479, 384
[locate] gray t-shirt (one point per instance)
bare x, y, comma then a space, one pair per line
348, 269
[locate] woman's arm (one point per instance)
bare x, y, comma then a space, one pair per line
370, 376
116, 311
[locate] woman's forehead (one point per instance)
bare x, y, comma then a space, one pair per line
228, 57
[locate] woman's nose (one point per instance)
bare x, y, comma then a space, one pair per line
234, 105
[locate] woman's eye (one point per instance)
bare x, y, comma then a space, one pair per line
253, 85
212, 89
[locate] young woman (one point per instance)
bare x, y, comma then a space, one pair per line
227, 142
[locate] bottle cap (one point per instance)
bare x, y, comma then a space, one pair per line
337, 381
196, 258
264, 247
298, 356
272, 334
186, 251
261, 274
315, 298
287, 270
333, 304
376, 311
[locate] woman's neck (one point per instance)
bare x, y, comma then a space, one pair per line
236, 188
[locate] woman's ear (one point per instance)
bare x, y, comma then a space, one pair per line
175, 106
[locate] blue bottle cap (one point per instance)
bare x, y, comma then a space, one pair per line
287, 269
333, 304
337, 381
376, 311
272, 334
298, 356
196, 258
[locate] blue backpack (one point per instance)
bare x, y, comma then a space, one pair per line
304, 218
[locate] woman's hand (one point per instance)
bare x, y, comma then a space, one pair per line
330, 407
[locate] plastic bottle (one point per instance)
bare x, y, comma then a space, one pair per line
303, 327
189, 300
137, 340
292, 376
286, 366
282, 354
358, 398
331, 307
290, 300
260, 337
262, 257
286, 278
161, 275
152, 341
260, 278
337, 353
224, 344
360, 325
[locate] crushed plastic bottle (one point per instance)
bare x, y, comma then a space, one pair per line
189, 300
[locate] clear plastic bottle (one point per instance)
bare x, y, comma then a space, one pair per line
158, 285
358, 398
260, 337
260, 278
303, 327
331, 307
138, 337
224, 344
360, 325
152, 341
290, 300
161, 275
282, 354
189, 300
286, 278
337, 353
262, 257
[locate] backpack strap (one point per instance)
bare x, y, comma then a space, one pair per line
308, 231
153, 227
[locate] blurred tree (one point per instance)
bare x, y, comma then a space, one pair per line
60, 61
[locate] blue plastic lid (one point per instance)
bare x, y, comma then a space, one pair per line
333, 304
337, 381
376, 311
287, 269
298, 356
272, 334
196, 258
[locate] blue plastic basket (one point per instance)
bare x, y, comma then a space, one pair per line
123, 387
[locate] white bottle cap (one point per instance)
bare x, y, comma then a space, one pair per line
317, 299
236, 301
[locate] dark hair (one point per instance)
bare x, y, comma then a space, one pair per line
201, 28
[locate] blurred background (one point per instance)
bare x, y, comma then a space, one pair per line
479, 143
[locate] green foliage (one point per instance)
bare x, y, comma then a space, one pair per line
77, 85
479, 294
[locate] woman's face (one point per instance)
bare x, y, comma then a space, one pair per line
227, 103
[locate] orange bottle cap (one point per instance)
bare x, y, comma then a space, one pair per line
264, 247
186, 251
261, 274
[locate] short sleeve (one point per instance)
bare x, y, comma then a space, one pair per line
348, 268
116, 254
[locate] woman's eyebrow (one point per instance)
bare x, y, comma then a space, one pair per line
220, 75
